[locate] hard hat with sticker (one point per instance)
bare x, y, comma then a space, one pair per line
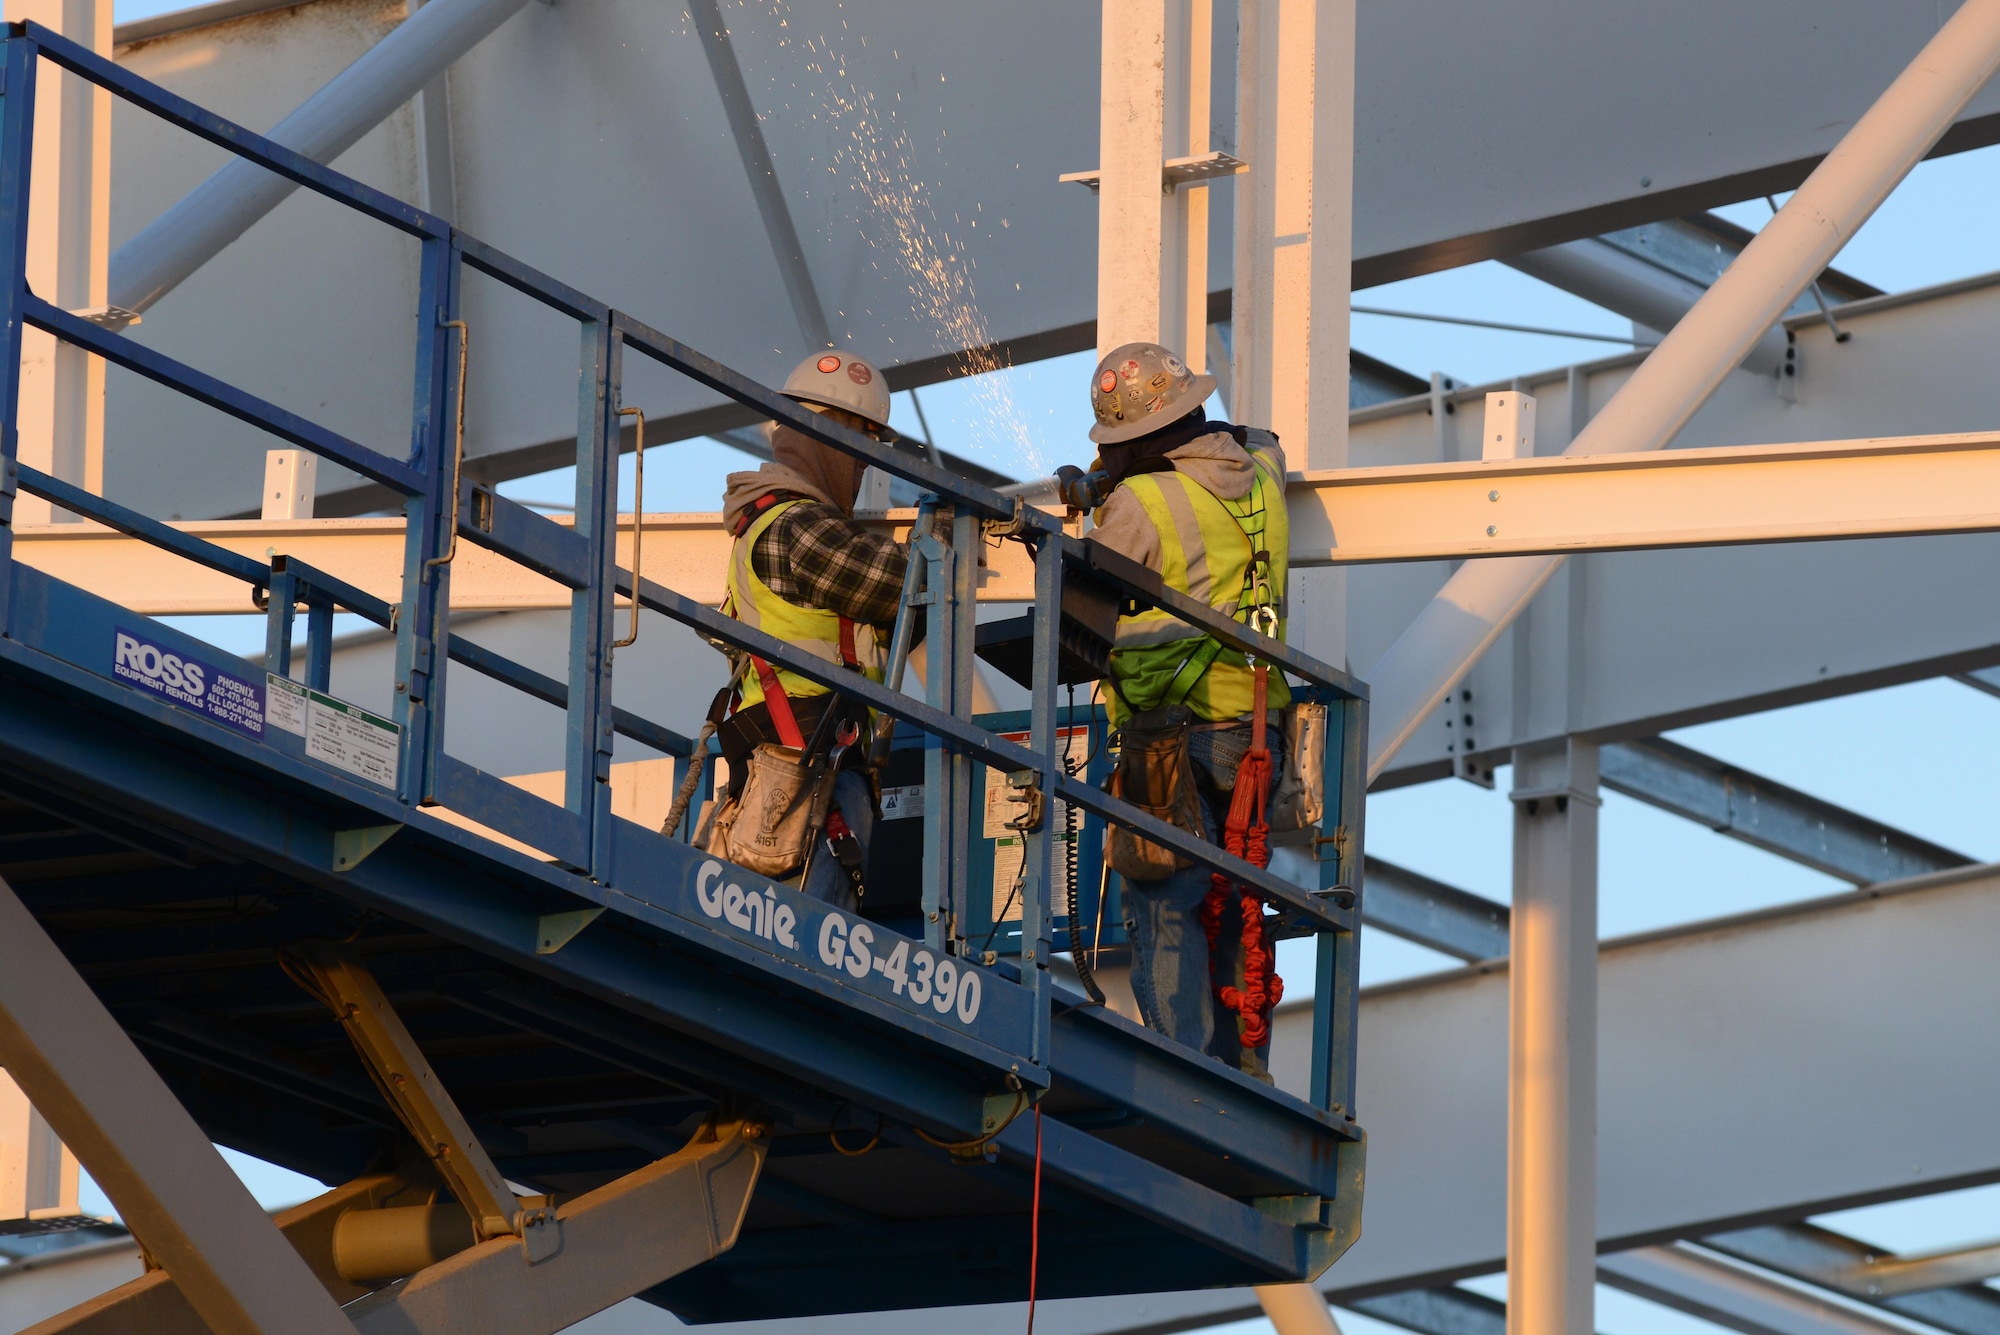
1159, 388
817, 383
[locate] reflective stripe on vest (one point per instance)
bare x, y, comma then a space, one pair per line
812, 629
1206, 544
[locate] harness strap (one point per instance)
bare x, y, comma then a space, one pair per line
780, 705
1192, 670
749, 514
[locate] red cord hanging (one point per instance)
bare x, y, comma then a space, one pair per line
1035, 1223
1246, 834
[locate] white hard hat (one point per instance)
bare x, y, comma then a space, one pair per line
1139, 388
842, 380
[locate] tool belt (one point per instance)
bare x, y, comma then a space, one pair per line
1156, 775
776, 805
781, 778
743, 732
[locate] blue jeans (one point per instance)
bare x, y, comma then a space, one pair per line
1170, 955
826, 879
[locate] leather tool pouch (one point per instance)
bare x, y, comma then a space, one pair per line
1298, 799
1156, 775
770, 823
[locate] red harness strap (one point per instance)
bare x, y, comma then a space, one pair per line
1246, 834
780, 704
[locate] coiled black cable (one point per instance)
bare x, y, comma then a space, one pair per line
1077, 954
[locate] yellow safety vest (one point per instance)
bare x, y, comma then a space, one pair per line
1207, 546
813, 629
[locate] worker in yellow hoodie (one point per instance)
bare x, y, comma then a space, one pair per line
1201, 503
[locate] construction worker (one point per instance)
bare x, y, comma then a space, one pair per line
802, 570
1203, 504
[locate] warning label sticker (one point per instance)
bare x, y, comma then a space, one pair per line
345, 736
285, 704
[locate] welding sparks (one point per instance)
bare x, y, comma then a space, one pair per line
911, 245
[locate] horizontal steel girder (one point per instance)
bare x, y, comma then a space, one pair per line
1674, 498
1678, 498
1704, 1286
1731, 801
1770, 816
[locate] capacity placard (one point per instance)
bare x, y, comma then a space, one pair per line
345, 736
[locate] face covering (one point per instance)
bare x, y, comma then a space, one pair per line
837, 475
1119, 459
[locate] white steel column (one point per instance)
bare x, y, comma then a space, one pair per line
1152, 240
1293, 257
38, 1174
69, 234
1479, 601
1131, 157
1288, 316
1552, 1043
1184, 209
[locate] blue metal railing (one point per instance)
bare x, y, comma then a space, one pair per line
441, 505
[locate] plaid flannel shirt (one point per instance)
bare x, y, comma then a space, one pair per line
815, 556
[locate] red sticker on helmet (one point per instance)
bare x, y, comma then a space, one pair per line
829, 364
859, 373
1108, 383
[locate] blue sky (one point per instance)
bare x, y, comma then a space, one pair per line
1917, 756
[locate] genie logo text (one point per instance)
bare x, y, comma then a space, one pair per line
758, 913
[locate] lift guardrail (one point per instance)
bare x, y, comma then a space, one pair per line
444, 507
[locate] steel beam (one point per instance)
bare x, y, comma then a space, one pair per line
175, 1192
1678, 376
1704, 1286
1296, 1309
685, 552
1747, 494
327, 124
1431, 913
1815, 1255
1645, 293
1768, 815
1630, 502
1445, 1311
1921, 1272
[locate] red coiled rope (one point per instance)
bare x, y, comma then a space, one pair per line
1246, 834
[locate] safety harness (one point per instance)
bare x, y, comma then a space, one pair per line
840, 838
1246, 832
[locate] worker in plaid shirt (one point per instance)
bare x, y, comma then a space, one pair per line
818, 580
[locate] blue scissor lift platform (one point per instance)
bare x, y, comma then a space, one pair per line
190, 832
